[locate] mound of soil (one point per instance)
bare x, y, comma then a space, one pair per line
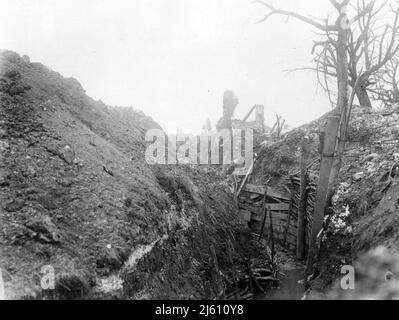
78, 195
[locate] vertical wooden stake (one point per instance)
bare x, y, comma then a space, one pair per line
264, 214
300, 241
271, 233
288, 219
321, 197
330, 142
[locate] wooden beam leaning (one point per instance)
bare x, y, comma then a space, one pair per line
246, 178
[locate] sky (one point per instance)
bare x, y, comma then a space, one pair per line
173, 59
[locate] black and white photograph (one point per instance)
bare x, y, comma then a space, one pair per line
201, 156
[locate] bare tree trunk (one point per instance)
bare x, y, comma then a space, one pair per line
329, 146
395, 95
363, 97
341, 143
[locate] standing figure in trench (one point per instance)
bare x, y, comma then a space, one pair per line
230, 102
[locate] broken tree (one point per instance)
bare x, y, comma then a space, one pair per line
337, 44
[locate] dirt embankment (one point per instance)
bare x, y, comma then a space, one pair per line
76, 193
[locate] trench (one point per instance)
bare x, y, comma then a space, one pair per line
272, 215
145, 260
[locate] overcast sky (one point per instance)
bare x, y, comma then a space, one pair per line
173, 59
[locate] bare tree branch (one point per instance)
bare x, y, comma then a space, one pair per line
274, 11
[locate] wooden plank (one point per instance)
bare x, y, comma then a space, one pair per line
271, 192
289, 217
254, 196
270, 206
277, 216
264, 211
254, 189
258, 218
280, 216
249, 113
278, 206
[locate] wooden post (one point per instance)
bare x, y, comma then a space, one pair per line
330, 139
264, 214
300, 241
321, 197
271, 233
289, 216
